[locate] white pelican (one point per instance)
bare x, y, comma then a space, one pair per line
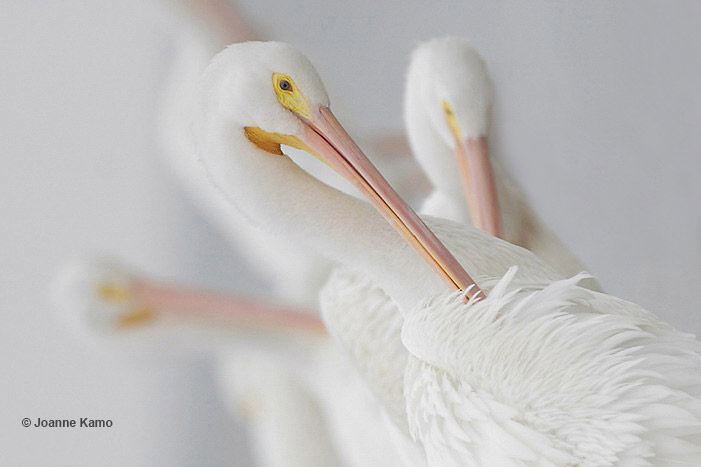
295, 272
303, 404
103, 299
447, 111
541, 372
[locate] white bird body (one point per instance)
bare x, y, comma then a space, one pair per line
601, 371
567, 376
551, 375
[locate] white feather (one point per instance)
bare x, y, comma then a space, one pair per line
550, 375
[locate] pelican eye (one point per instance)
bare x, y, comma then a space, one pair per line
290, 96
284, 85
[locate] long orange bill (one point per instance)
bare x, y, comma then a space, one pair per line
325, 135
155, 299
480, 188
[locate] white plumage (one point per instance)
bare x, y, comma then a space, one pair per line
533, 373
554, 375
607, 373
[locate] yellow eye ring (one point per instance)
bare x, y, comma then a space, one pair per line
290, 96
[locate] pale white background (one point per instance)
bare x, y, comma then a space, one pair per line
597, 116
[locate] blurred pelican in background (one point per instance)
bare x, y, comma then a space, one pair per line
448, 103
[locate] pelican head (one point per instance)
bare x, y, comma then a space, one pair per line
96, 298
259, 96
447, 109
